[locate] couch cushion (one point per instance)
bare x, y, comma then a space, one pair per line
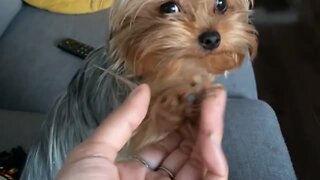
33, 70
8, 9
19, 129
241, 82
253, 142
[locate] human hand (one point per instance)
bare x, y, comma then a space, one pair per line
181, 155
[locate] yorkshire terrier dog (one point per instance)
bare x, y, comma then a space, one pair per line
177, 47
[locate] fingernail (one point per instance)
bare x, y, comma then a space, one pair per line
218, 85
218, 88
136, 91
214, 90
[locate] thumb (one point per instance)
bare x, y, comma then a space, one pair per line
117, 129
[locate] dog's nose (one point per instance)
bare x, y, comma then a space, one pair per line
210, 40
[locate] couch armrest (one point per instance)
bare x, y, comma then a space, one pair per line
8, 9
253, 142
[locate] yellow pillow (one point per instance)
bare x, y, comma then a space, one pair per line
71, 6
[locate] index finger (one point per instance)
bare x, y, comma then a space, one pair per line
210, 135
212, 113
118, 127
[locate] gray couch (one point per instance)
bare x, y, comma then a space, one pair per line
33, 72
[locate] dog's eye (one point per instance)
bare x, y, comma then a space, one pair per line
221, 5
169, 7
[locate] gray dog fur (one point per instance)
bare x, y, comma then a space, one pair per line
91, 96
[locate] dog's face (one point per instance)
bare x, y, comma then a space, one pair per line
153, 36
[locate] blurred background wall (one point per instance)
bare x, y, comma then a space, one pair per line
287, 69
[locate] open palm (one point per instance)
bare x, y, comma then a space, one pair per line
186, 153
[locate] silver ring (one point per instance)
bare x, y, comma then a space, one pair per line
167, 171
142, 161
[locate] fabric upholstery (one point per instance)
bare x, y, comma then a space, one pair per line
33, 70
241, 82
19, 129
253, 142
8, 9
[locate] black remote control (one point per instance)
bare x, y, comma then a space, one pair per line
75, 47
